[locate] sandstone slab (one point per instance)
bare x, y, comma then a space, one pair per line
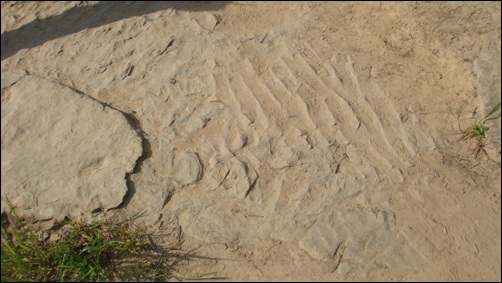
63, 154
297, 141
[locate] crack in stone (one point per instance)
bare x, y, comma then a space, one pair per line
136, 126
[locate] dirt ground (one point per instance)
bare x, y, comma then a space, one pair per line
293, 141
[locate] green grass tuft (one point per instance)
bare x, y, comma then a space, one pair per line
479, 129
86, 252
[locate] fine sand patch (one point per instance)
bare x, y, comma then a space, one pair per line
282, 141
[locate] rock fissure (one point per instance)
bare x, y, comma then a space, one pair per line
145, 144
82, 148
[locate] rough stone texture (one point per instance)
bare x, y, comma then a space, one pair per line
366, 231
10, 78
188, 169
62, 153
487, 67
310, 124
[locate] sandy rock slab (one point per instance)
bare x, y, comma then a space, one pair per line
63, 153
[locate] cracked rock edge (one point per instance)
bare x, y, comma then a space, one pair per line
9, 79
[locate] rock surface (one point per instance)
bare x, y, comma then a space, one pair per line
313, 141
63, 154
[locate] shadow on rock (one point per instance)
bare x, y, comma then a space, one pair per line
77, 19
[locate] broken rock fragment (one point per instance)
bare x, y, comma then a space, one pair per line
63, 153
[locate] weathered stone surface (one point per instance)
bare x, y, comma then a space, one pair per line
187, 169
365, 234
62, 152
10, 78
305, 129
